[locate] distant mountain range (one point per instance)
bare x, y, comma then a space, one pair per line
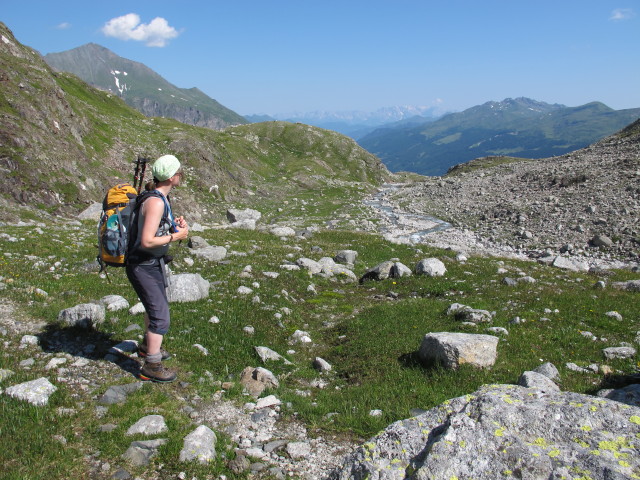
356, 123
142, 88
518, 127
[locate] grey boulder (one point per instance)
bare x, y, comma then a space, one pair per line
454, 349
187, 287
210, 253
505, 431
84, 315
235, 215
35, 392
141, 452
431, 267
199, 445
346, 256
537, 380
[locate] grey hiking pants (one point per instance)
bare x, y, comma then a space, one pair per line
149, 282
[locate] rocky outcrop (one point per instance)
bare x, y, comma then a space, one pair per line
506, 431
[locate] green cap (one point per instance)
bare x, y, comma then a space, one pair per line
165, 167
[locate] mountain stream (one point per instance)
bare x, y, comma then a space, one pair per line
398, 226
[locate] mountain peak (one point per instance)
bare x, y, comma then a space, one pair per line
142, 88
522, 103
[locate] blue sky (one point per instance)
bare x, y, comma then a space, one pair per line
273, 57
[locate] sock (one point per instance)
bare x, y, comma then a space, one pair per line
155, 358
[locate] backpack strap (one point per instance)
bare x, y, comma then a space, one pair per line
168, 214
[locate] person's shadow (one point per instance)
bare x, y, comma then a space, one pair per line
90, 344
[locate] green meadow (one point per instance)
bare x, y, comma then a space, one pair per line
368, 332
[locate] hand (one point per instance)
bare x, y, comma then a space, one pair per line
182, 233
181, 222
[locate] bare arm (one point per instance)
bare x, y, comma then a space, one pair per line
153, 209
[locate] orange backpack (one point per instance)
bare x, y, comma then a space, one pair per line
113, 226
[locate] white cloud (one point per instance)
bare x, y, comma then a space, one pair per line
622, 14
63, 26
156, 33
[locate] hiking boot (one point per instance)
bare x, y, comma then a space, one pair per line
156, 372
142, 352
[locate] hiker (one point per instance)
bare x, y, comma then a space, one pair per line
153, 229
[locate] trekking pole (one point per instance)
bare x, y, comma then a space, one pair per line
138, 180
136, 172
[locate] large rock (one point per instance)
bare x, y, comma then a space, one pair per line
619, 352
629, 285
84, 315
537, 380
199, 445
381, 271
346, 256
113, 303
256, 380
332, 269
196, 242
35, 392
140, 453
92, 212
629, 394
464, 313
431, 267
570, 264
148, 425
283, 232
549, 370
400, 270
187, 287
266, 354
601, 241
311, 266
235, 215
454, 349
506, 431
210, 253
244, 224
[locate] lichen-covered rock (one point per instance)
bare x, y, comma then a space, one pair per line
505, 431
199, 445
36, 392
